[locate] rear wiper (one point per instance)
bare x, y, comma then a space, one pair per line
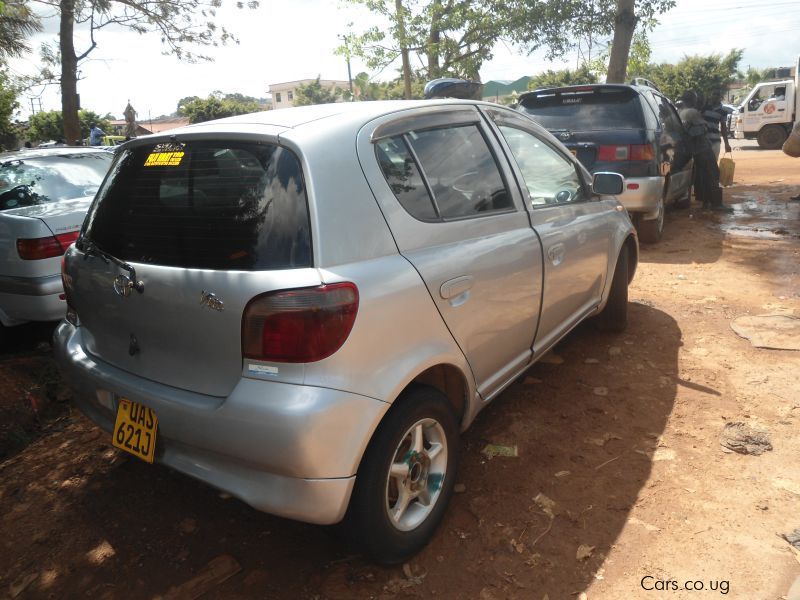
90, 249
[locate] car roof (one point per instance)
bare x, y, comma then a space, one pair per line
585, 88
28, 153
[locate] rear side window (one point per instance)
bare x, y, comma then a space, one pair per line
205, 205
444, 173
593, 109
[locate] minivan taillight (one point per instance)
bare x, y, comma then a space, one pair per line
300, 325
632, 152
45, 247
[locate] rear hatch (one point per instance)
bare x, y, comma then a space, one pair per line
603, 126
207, 225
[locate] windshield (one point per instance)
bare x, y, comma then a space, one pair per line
42, 179
592, 109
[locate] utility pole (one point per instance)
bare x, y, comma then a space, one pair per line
349, 74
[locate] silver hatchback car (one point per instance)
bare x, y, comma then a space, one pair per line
305, 307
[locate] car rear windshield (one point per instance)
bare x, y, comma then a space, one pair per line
591, 109
205, 205
43, 179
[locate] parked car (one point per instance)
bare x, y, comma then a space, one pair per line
44, 196
305, 307
629, 129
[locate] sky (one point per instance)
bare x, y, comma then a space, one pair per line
288, 40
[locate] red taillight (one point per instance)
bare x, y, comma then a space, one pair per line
632, 152
612, 153
46, 247
642, 152
301, 325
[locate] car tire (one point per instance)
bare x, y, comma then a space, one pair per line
772, 137
420, 433
651, 230
614, 317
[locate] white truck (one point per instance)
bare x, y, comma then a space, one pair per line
769, 111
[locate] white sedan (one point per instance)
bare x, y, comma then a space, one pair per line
44, 196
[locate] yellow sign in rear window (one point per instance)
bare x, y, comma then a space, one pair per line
164, 159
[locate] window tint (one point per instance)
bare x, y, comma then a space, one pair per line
593, 109
550, 177
455, 165
401, 172
207, 205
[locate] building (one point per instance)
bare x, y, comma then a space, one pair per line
148, 126
283, 93
498, 90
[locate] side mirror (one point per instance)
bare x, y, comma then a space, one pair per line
607, 184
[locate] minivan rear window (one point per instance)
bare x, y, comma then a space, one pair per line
592, 109
205, 205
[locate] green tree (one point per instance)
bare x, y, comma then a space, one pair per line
551, 78
17, 23
49, 125
704, 74
455, 37
217, 106
9, 92
182, 26
315, 93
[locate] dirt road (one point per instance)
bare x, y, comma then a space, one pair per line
621, 488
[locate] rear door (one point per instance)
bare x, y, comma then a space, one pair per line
574, 226
602, 126
458, 219
195, 219
676, 159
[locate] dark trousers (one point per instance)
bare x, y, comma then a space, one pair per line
706, 178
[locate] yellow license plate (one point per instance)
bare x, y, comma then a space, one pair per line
135, 429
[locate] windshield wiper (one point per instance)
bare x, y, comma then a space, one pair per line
91, 249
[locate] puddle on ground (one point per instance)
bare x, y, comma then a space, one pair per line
760, 214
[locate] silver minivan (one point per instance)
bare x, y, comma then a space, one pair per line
305, 307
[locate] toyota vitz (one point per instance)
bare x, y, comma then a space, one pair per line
305, 307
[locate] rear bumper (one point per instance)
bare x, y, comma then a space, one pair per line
289, 450
31, 299
644, 199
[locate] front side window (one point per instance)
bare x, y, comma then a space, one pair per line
204, 205
444, 173
549, 177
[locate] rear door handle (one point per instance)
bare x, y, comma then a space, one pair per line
455, 287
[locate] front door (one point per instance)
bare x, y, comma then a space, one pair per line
573, 226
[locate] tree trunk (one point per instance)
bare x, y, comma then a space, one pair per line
401, 30
69, 74
624, 25
433, 40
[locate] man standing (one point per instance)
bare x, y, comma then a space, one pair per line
95, 134
706, 171
716, 118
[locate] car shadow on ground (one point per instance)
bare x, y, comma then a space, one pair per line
586, 432
691, 235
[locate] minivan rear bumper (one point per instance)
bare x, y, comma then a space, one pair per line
645, 198
289, 450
